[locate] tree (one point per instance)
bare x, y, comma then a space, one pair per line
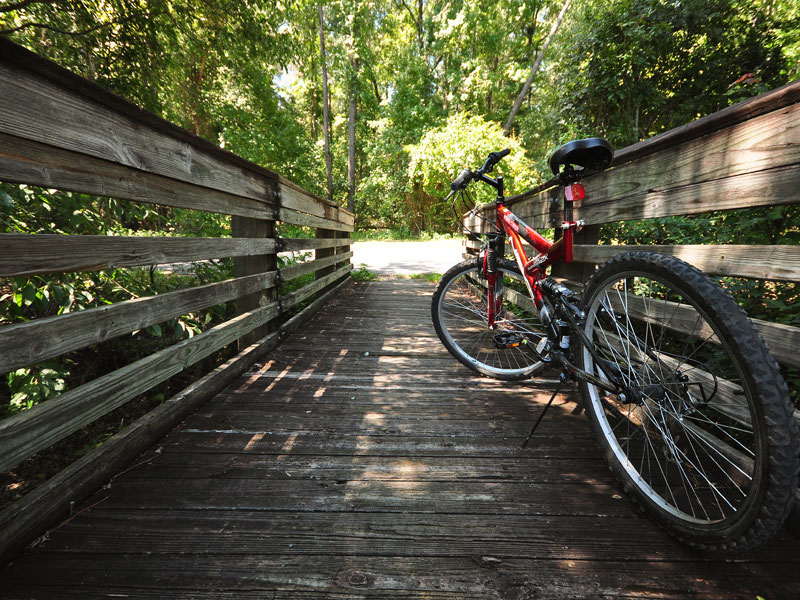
463, 141
537, 63
325, 105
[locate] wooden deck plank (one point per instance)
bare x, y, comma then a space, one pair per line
319, 443
174, 466
377, 467
346, 577
372, 534
477, 498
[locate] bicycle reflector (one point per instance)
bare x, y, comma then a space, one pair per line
574, 192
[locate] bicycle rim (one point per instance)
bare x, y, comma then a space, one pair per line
687, 433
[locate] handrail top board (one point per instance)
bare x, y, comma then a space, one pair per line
767, 102
18, 57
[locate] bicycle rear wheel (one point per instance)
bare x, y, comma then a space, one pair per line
703, 436
460, 316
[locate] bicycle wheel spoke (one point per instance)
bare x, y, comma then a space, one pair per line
679, 457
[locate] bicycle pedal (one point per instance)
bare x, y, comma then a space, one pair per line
501, 341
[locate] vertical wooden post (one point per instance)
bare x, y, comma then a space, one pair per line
342, 249
251, 265
324, 252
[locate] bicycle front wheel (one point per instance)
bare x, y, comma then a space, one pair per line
460, 317
702, 433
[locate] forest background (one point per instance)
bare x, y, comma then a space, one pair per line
418, 89
425, 85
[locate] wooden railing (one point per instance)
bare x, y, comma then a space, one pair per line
745, 156
60, 131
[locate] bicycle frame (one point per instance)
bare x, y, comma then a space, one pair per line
563, 316
549, 253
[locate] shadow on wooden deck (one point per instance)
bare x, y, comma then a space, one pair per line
362, 461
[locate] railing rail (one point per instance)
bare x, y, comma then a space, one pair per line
743, 157
60, 131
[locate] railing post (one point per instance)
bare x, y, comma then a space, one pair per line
324, 252
246, 227
342, 249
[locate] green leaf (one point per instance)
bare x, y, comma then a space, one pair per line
28, 294
6, 201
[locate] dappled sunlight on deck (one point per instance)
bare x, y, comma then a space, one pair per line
381, 468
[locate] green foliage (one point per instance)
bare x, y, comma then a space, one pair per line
432, 277
634, 68
34, 385
287, 230
463, 141
28, 209
363, 274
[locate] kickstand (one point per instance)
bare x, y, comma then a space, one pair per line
541, 416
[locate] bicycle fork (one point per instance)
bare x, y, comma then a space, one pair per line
494, 283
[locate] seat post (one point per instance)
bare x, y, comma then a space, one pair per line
568, 176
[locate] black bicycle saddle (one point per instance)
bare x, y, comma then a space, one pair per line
592, 153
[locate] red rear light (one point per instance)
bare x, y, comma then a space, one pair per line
574, 192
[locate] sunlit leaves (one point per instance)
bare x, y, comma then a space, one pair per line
463, 141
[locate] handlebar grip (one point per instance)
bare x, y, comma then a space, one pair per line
462, 180
494, 158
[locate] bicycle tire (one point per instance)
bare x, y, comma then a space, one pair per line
459, 313
706, 444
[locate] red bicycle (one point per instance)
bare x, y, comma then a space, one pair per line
689, 407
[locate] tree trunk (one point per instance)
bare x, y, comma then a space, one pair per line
351, 147
355, 64
527, 87
325, 104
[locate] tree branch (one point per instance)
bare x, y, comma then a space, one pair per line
70, 33
527, 87
375, 87
410, 12
51, 28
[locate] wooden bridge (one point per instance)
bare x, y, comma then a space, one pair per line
356, 459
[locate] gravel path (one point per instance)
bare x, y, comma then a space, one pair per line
405, 258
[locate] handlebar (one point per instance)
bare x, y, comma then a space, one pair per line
466, 175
